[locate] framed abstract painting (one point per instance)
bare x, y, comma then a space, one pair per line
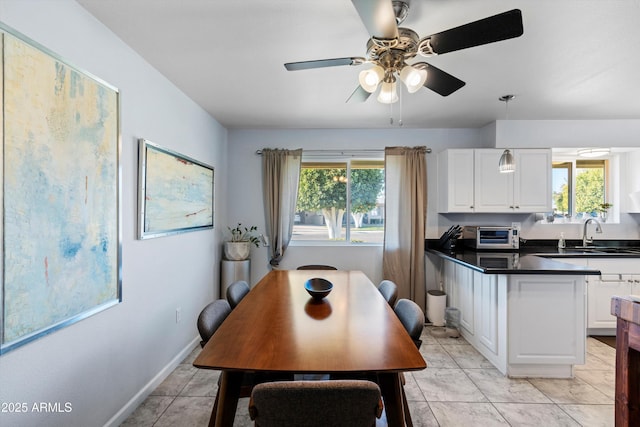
60, 192
175, 192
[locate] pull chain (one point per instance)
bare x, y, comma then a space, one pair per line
400, 100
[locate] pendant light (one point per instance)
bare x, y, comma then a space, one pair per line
506, 164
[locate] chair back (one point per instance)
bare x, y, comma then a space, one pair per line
412, 318
211, 317
236, 291
316, 267
389, 291
336, 403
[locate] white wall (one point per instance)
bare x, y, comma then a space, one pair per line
246, 191
245, 188
567, 133
101, 363
577, 133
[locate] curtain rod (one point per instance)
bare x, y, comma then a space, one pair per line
353, 151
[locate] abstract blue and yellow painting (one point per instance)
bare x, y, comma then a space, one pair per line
60, 193
176, 192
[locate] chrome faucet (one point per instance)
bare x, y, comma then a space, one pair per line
589, 240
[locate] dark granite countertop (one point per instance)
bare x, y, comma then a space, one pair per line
512, 263
533, 256
574, 249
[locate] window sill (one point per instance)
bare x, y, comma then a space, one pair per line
576, 221
318, 243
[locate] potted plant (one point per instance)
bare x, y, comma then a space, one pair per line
603, 208
239, 246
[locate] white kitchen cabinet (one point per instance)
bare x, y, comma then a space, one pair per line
481, 299
635, 283
617, 277
532, 181
526, 325
528, 189
465, 287
601, 289
547, 322
469, 181
486, 298
630, 186
458, 285
455, 180
449, 282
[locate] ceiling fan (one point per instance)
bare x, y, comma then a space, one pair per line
391, 47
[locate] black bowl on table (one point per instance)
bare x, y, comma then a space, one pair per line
318, 287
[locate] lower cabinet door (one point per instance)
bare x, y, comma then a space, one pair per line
486, 296
600, 291
464, 279
547, 320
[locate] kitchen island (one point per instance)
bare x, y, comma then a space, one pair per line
526, 314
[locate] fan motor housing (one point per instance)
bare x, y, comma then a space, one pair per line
407, 45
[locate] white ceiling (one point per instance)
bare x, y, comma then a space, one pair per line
577, 59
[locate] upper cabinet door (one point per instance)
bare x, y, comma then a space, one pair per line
532, 190
493, 190
469, 181
455, 180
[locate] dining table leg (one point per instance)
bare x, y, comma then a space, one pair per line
390, 387
224, 412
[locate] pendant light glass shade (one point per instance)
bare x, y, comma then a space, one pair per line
388, 93
369, 79
413, 78
506, 163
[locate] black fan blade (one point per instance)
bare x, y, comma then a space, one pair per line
358, 95
378, 17
439, 81
321, 63
495, 28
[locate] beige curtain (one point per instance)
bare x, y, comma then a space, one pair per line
405, 219
280, 177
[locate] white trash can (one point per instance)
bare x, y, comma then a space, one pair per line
436, 303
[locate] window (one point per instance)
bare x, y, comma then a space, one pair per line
341, 201
579, 187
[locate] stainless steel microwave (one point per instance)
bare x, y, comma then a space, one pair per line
492, 237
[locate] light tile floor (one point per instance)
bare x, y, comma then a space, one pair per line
458, 388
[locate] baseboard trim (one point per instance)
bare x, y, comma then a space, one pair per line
141, 395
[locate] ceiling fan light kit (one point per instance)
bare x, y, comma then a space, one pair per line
369, 79
413, 78
388, 94
391, 49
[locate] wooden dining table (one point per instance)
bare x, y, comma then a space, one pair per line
279, 328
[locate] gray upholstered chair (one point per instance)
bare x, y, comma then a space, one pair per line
336, 403
236, 291
389, 291
211, 317
209, 320
412, 318
316, 267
